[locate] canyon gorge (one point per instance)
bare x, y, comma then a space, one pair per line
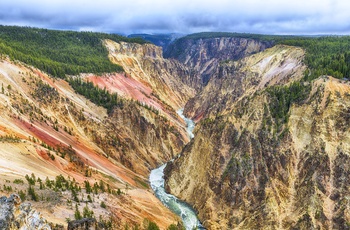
270, 148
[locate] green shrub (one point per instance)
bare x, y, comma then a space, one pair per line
96, 95
18, 181
77, 214
103, 204
22, 195
32, 194
31, 180
150, 225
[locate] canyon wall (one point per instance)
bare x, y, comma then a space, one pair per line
17, 215
203, 55
269, 152
48, 129
163, 79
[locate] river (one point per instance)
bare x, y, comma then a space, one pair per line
180, 208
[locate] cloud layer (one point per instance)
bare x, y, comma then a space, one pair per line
181, 16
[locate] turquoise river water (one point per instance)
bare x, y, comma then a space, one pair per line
182, 209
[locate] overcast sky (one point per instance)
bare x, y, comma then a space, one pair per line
181, 16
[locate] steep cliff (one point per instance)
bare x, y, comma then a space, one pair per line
47, 129
17, 215
163, 81
203, 55
273, 153
233, 79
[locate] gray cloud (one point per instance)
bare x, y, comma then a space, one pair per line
183, 16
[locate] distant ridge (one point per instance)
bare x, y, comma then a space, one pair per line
162, 40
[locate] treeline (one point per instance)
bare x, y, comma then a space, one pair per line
281, 100
205, 35
96, 95
324, 55
60, 52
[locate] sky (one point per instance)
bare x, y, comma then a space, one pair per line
308, 17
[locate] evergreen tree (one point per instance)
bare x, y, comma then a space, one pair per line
77, 214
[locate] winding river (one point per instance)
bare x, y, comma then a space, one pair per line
182, 209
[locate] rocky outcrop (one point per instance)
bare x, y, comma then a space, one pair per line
64, 133
14, 215
83, 224
166, 79
138, 137
203, 55
233, 79
272, 154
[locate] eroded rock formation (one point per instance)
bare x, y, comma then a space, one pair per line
203, 55
17, 215
268, 153
48, 129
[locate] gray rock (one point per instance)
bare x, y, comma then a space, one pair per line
14, 215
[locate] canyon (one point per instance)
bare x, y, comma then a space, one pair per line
47, 130
270, 149
255, 169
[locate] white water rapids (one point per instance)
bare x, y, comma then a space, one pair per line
187, 214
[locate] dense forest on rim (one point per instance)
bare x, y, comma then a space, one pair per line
60, 53
325, 55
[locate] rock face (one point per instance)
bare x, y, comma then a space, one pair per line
163, 79
145, 138
14, 215
232, 80
203, 55
270, 154
83, 224
48, 129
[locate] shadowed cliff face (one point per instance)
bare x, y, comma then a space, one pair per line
202, 56
234, 79
267, 153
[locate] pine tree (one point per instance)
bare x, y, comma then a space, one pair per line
77, 214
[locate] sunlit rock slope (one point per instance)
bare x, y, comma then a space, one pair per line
268, 153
